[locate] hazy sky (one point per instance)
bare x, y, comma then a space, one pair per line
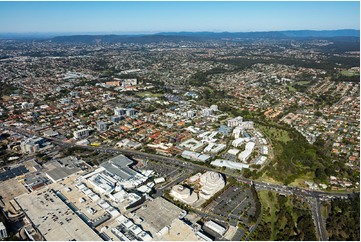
176, 16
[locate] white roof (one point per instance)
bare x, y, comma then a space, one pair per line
113, 211
121, 219
159, 180
128, 223
144, 236
102, 203
136, 230
215, 227
87, 191
144, 189
233, 151
261, 160
229, 164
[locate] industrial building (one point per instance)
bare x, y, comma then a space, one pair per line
264, 150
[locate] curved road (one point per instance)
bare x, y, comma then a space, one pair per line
314, 195
189, 165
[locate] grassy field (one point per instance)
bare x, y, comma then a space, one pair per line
275, 134
149, 94
299, 182
291, 87
349, 73
271, 205
280, 216
324, 212
268, 179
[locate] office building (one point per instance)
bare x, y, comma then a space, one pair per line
235, 121
130, 112
119, 111
79, 134
101, 126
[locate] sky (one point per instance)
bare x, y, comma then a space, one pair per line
147, 17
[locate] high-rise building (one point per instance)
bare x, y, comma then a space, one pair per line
120, 111
130, 112
115, 119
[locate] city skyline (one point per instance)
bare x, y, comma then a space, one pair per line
152, 17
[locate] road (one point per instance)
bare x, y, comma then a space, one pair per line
282, 189
180, 178
192, 166
259, 219
317, 217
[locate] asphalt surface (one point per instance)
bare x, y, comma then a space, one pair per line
186, 164
286, 190
317, 216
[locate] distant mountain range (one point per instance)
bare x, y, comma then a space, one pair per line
272, 34
185, 36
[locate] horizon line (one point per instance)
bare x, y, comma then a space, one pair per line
173, 31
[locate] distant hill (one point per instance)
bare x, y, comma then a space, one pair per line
142, 39
182, 36
323, 33
272, 34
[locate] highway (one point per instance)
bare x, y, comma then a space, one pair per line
315, 196
317, 217
189, 165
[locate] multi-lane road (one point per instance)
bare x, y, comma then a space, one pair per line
318, 219
282, 189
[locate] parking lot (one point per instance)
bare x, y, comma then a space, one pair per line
235, 203
163, 169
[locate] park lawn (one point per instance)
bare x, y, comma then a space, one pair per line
267, 203
349, 73
275, 133
300, 181
268, 179
291, 88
